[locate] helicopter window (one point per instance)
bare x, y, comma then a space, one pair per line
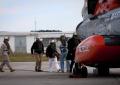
104, 6
112, 40
92, 6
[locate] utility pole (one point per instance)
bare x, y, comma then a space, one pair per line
35, 24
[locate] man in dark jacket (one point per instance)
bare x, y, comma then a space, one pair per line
52, 54
72, 44
37, 50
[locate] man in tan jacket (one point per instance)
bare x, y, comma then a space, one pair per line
5, 51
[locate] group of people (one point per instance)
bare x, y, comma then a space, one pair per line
68, 48
37, 50
67, 53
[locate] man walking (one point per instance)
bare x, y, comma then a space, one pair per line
37, 50
72, 44
6, 50
52, 54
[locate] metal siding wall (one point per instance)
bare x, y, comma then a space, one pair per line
1, 40
29, 41
12, 43
20, 44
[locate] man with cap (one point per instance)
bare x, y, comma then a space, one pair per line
72, 44
6, 50
52, 54
37, 50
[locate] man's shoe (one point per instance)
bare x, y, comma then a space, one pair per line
74, 76
1, 70
58, 70
12, 70
36, 68
40, 70
62, 71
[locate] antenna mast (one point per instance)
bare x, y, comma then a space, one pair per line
35, 23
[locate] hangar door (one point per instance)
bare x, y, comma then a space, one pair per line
20, 44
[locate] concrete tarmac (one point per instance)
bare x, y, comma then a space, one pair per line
25, 75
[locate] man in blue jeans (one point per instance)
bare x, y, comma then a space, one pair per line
63, 49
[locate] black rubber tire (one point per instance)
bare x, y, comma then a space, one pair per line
77, 69
84, 71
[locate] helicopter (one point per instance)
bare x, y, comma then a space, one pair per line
100, 35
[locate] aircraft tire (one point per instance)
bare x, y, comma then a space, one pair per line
77, 69
84, 71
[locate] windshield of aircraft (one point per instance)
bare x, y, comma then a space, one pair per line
104, 6
88, 8
91, 6
97, 7
112, 40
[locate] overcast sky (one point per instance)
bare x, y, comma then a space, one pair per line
20, 15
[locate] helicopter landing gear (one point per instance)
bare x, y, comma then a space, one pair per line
79, 71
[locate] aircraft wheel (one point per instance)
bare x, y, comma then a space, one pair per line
77, 69
84, 71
